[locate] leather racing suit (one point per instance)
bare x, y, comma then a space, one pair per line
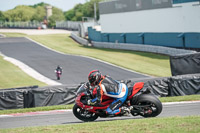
112, 88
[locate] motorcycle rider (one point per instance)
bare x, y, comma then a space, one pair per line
58, 69
105, 85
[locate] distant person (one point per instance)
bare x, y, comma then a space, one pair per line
58, 72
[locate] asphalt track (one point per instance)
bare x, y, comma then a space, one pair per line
63, 117
44, 61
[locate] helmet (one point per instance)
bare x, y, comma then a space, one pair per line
94, 77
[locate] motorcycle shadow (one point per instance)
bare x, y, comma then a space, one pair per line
108, 119
118, 118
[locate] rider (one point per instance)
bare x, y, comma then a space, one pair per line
105, 85
59, 69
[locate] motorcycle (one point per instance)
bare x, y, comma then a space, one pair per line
140, 102
58, 74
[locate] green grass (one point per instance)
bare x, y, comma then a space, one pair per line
177, 124
11, 76
13, 34
181, 98
46, 108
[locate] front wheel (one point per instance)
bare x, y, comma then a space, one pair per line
83, 114
148, 105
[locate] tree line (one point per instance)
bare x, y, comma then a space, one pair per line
37, 12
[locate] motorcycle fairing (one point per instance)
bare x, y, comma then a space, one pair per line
137, 87
104, 105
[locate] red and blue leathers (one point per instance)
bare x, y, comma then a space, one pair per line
109, 87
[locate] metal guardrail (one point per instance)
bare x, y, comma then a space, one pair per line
69, 25
30, 25
143, 48
79, 39
135, 47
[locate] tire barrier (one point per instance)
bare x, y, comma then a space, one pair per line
35, 96
53, 95
13, 98
172, 86
28, 97
185, 64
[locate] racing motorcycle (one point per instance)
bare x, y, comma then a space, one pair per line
140, 101
58, 74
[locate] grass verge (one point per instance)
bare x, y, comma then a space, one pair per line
12, 77
177, 124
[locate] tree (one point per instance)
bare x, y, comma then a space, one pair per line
42, 4
39, 14
69, 14
57, 16
2, 17
82, 10
20, 13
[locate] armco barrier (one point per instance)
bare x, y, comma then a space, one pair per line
143, 48
134, 47
79, 39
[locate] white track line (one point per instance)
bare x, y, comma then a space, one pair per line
183, 102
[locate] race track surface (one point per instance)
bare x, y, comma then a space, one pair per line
67, 117
44, 61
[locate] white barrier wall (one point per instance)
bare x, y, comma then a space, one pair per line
183, 17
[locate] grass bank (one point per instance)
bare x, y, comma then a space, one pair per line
12, 77
189, 124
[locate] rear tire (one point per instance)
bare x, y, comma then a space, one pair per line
83, 114
152, 103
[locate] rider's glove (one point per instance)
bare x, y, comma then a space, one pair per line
89, 102
87, 85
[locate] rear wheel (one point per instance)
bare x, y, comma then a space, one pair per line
147, 105
83, 114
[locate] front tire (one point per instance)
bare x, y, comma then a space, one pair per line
150, 106
83, 114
